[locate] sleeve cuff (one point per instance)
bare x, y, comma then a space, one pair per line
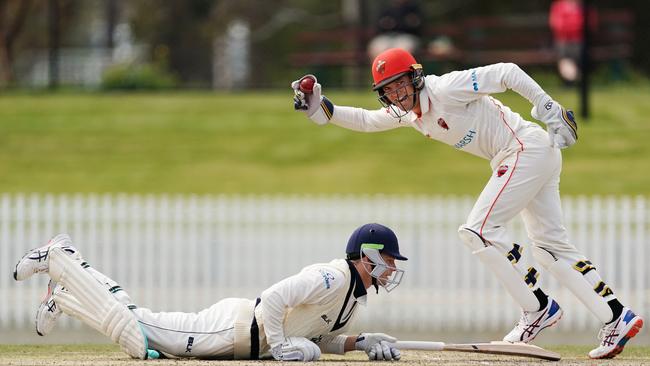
324, 113
336, 345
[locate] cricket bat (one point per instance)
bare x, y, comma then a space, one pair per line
495, 348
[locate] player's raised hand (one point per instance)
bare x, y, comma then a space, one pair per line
560, 123
378, 346
296, 349
307, 97
303, 92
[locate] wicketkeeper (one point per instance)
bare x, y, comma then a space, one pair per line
296, 319
457, 109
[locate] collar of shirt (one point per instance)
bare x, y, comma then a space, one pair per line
425, 101
359, 290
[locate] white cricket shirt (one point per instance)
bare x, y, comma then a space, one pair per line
318, 303
457, 110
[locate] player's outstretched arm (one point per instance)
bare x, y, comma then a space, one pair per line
378, 346
466, 86
306, 287
560, 123
296, 349
308, 98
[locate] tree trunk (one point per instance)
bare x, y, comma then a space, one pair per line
5, 64
11, 24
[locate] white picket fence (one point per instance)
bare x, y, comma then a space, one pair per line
184, 253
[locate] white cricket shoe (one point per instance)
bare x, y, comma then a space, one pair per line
35, 261
48, 312
614, 335
532, 322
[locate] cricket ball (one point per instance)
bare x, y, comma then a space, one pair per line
307, 84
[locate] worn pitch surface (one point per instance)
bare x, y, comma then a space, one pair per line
110, 355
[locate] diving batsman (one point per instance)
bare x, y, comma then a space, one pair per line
296, 319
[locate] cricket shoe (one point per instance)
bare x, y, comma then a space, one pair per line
35, 260
48, 312
614, 335
532, 322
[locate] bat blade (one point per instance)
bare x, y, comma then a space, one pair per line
505, 348
495, 348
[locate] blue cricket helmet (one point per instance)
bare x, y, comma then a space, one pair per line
377, 235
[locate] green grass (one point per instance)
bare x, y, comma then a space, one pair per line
256, 143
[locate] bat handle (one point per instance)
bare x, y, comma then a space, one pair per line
420, 345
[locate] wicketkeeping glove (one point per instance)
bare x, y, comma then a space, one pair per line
296, 349
316, 106
378, 346
560, 123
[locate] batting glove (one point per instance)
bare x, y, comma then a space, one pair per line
296, 349
316, 106
560, 123
378, 346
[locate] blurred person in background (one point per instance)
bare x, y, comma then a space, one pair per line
294, 320
566, 22
458, 109
399, 25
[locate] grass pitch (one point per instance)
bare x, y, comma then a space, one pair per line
111, 355
255, 143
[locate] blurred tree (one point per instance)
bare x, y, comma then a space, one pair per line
112, 15
13, 14
641, 11
274, 26
179, 34
25, 33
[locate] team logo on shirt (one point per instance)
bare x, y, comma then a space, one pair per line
443, 124
325, 318
465, 140
474, 80
502, 170
327, 277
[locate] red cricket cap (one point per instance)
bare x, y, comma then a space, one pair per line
390, 65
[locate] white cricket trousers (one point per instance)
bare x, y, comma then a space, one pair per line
208, 334
528, 181
525, 182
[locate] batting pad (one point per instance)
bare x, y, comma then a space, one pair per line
71, 307
509, 277
577, 283
113, 287
115, 319
501, 266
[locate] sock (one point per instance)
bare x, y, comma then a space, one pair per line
543, 298
617, 309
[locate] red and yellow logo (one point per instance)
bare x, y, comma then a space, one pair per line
381, 67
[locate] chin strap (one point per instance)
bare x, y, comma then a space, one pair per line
415, 97
374, 280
